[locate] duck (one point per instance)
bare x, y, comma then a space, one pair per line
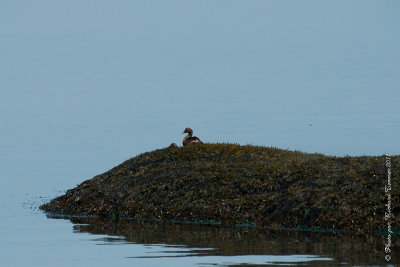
190, 139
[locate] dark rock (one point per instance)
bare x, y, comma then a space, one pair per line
226, 183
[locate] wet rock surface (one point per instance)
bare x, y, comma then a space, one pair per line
227, 183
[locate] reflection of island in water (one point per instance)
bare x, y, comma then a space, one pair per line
212, 240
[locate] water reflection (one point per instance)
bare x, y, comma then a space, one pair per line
228, 245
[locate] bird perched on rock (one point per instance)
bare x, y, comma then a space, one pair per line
190, 139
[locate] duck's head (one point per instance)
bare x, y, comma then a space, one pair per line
188, 130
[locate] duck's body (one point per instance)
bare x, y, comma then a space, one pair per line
190, 139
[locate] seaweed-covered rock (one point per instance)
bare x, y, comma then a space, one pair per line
228, 183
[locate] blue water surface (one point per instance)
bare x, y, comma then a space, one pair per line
85, 85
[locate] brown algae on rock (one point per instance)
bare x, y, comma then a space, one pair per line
233, 184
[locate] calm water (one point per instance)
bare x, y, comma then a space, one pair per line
85, 86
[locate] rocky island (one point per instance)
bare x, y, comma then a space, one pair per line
234, 184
